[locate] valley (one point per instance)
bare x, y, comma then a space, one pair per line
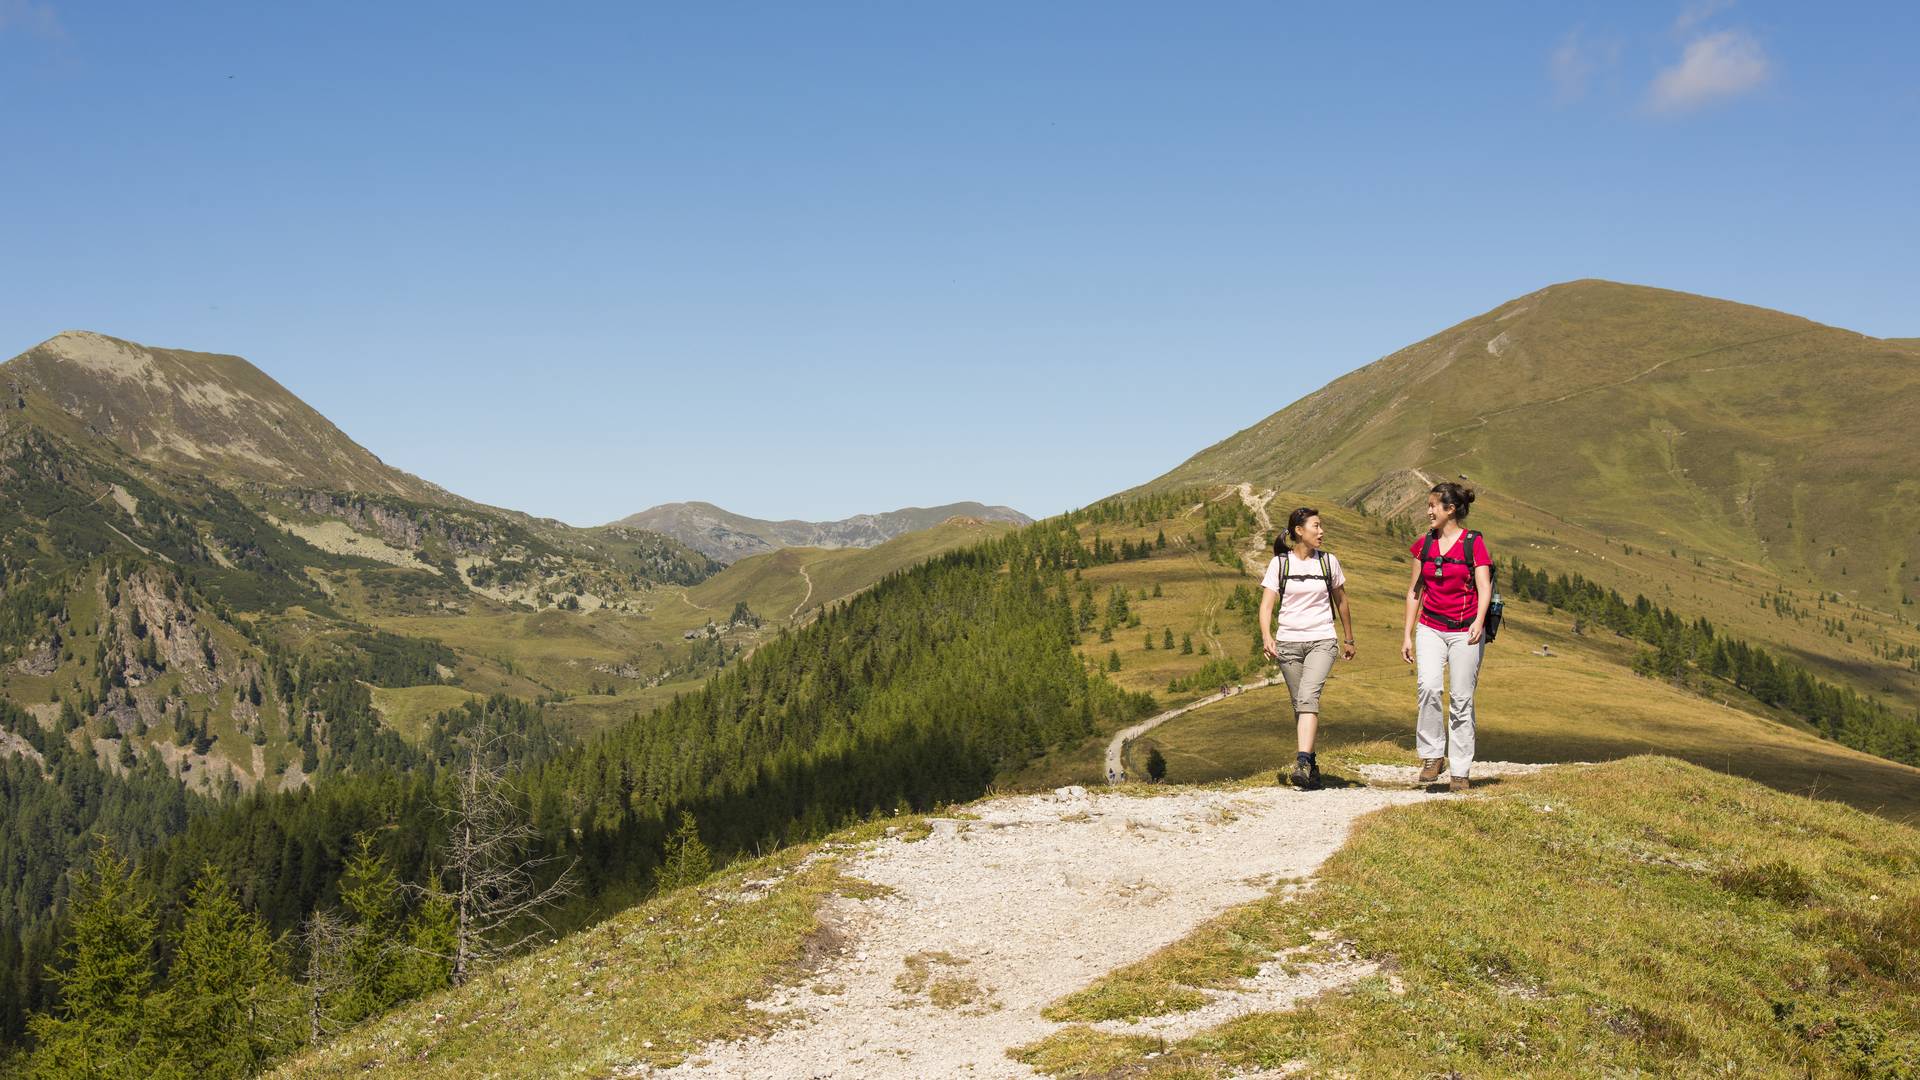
232, 638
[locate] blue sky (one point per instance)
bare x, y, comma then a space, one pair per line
810, 260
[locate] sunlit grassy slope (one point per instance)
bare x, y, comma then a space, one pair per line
1644, 917
1583, 703
1741, 436
646, 986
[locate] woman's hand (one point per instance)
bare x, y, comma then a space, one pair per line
1474, 632
1406, 648
1347, 650
1272, 650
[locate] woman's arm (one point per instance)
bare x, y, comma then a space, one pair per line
1267, 598
1345, 618
1483, 583
1415, 586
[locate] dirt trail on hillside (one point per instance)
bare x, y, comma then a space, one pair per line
988, 921
803, 600
1117, 747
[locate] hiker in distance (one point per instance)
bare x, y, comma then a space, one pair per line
1308, 587
1447, 603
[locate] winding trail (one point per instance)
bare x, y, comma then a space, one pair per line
803, 600
981, 925
1117, 749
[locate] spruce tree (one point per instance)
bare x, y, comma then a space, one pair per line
229, 1007
1166, 639
426, 962
104, 1025
687, 861
371, 893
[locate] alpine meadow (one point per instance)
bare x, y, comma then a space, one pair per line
312, 767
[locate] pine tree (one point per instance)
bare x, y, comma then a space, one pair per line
687, 861
105, 1025
1186, 644
1166, 639
1113, 660
1156, 765
228, 1006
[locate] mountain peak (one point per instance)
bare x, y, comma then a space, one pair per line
1631, 407
210, 413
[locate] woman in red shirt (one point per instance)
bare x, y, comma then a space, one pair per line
1447, 601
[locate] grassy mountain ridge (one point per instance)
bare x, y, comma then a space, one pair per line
1743, 460
1654, 416
210, 413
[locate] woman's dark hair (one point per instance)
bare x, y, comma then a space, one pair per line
1285, 541
1454, 497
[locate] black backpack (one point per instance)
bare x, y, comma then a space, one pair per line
1325, 574
1495, 609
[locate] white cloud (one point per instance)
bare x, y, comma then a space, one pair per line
1571, 66
1698, 12
1715, 67
40, 20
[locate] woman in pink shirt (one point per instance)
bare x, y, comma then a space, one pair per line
1309, 588
1447, 602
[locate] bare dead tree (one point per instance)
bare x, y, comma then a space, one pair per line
492, 880
327, 939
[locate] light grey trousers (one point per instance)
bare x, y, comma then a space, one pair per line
1436, 734
1305, 665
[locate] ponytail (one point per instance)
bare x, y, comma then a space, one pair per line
1455, 497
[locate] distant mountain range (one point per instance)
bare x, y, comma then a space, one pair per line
727, 537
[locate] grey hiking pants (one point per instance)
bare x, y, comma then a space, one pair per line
1305, 665
1434, 734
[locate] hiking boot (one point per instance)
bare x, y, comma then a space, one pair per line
1430, 769
1306, 777
1456, 784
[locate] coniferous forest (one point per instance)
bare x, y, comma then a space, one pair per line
917, 692
1681, 650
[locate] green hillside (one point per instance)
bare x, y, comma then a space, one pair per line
1643, 918
1610, 416
1768, 935
1585, 702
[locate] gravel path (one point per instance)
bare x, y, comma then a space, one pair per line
988, 921
1117, 748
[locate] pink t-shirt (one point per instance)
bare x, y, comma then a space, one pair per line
1450, 592
1306, 612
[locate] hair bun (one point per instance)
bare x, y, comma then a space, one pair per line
1466, 495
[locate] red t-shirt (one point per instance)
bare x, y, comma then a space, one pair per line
1451, 592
